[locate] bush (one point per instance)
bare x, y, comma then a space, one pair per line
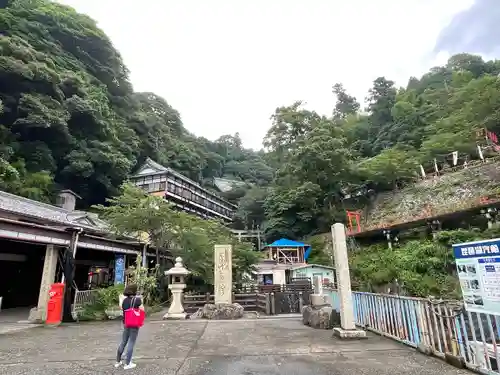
421, 268
107, 298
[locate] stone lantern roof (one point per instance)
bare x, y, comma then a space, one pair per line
178, 269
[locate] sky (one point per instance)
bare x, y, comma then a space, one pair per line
226, 65
475, 30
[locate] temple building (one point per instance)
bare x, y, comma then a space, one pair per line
33, 239
182, 192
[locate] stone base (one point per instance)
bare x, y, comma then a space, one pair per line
319, 300
322, 317
113, 314
36, 316
175, 316
349, 334
219, 311
457, 361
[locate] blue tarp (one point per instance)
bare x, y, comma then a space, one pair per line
289, 243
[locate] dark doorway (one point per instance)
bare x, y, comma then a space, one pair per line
21, 268
94, 269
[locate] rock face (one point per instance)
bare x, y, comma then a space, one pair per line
322, 317
219, 311
451, 192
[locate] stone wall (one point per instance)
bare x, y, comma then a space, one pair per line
452, 192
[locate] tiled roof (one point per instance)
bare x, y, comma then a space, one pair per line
224, 184
30, 208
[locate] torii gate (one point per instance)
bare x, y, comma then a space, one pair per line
354, 218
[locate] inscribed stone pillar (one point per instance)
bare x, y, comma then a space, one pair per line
318, 298
318, 285
48, 278
223, 275
348, 327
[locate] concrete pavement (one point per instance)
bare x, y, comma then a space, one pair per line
250, 347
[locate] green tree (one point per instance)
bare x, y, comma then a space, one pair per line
390, 166
346, 104
289, 125
68, 110
185, 235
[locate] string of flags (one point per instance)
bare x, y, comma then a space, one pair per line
492, 140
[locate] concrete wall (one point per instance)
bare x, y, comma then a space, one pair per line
312, 271
279, 277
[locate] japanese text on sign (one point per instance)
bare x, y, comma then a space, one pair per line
480, 250
478, 270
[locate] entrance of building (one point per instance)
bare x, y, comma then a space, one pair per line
21, 267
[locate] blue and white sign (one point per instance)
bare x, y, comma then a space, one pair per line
478, 267
119, 269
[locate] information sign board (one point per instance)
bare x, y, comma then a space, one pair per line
478, 268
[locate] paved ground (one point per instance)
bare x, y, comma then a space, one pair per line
251, 347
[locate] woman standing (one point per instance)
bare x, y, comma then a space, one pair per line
130, 331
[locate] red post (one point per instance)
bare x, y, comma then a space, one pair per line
354, 215
55, 304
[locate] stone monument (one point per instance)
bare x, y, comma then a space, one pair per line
223, 306
176, 283
347, 327
318, 298
223, 273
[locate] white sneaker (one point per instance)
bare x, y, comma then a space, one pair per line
129, 366
118, 364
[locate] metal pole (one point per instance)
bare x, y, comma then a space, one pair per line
144, 256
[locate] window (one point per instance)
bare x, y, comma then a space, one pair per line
61, 201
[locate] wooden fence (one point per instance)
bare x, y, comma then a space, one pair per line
266, 299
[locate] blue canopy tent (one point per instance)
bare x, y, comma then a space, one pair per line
302, 250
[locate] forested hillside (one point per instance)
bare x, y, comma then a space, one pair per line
322, 159
69, 116
70, 119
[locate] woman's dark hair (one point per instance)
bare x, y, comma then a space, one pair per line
130, 290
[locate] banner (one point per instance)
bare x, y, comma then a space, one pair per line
422, 171
493, 137
119, 269
480, 151
478, 268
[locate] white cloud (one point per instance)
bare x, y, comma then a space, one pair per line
227, 64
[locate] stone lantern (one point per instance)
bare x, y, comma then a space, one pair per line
176, 283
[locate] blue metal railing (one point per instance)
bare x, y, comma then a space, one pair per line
441, 327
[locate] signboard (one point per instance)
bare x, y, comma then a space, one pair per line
478, 268
119, 269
